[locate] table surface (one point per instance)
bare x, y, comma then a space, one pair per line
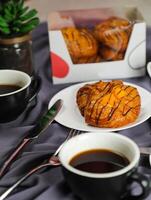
49, 183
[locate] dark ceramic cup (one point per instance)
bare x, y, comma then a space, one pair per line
13, 101
107, 186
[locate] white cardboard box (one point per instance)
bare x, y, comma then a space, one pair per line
63, 69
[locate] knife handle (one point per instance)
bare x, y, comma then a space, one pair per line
10, 159
9, 190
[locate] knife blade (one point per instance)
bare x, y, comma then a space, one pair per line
42, 125
46, 120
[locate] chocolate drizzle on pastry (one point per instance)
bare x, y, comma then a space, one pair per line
109, 104
81, 44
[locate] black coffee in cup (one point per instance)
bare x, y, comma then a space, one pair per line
4, 89
102, 166
17, 89
99, 161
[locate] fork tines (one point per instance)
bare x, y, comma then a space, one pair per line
72, 133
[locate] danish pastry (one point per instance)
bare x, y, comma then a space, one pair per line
113, 34
81, 44
109, 104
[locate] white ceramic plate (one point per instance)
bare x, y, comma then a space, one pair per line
149, 69
70, 116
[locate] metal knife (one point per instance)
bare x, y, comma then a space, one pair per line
42, 125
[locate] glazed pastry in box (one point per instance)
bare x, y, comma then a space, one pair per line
96, 44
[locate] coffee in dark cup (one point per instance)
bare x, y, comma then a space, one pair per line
102, 166
16, 91
99, 161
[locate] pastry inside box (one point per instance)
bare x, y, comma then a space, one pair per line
106, 41
96, 44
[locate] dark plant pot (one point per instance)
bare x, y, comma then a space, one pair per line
16, 53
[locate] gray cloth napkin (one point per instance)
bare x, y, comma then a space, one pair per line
49, 184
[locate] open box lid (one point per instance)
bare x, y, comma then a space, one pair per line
88, 17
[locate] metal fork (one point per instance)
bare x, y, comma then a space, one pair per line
53, 161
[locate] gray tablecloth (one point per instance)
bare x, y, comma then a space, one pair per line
49, 184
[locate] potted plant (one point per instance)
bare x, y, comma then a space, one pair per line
16, 23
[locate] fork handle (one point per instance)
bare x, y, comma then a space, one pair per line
9, 190
13, 155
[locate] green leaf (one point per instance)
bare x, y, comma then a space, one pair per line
28, 15
30, 25
14, 10
7, 11
7, 15
8, 19
9, 5
3, 23
22, 11
17, 23
20, 5
5, 30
